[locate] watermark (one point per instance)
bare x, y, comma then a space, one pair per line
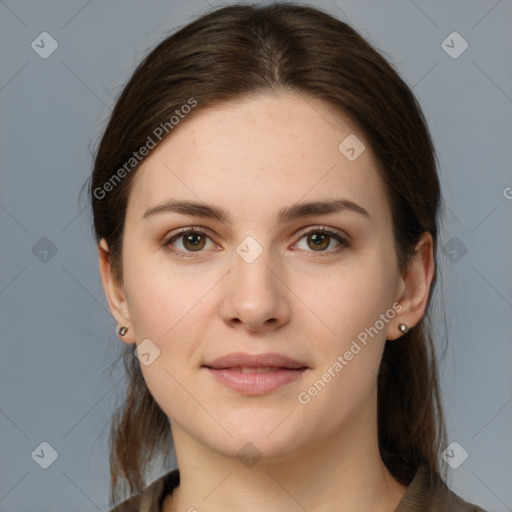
44, 45
249, 455
44, 455
249, 249
44, 250
454, 45
158, 134
507, 192
305, 397
454, 455
146, 352
351, 147
455, 249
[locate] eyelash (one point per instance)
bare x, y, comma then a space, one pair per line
324, 230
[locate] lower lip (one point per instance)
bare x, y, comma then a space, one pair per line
255, 383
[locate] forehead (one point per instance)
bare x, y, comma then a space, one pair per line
261, 151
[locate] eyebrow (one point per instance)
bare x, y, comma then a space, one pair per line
196, 209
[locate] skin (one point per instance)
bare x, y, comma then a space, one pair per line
253, 157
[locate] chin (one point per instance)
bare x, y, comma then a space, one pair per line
271, 434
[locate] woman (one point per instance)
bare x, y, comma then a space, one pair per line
265, 201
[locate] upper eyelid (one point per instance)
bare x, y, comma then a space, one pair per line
301, 233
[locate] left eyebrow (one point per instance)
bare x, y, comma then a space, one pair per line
320, 208
196, 209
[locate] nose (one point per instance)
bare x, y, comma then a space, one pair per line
255, 295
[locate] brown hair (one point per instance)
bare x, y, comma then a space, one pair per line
236, 51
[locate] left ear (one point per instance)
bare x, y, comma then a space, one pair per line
416, 286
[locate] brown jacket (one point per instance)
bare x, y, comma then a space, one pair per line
414, 500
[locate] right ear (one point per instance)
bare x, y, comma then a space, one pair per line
114, 292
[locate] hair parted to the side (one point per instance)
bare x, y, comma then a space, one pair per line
240, 50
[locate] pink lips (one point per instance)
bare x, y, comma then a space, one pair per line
255, 374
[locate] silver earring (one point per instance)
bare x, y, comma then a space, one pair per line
122, 331
403, 327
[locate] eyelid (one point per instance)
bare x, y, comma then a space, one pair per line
319, 228
342, 238
167, 240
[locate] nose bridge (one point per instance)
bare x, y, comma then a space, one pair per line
254, 293
251, 273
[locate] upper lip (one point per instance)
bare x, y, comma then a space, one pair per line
268, 360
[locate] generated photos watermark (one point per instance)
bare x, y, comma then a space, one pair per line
305, 397
157, 135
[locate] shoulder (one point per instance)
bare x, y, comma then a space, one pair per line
425, 497
151, 498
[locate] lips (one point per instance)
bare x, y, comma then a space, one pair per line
269, 360
255, 374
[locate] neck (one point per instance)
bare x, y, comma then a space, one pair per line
343, 472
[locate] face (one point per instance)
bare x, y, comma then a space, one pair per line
270, 312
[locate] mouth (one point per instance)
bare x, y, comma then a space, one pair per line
254, 375
257, 369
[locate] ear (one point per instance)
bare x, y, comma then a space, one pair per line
415, 286
114, 292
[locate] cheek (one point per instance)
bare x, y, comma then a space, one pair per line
167, 305
160, 295
349, 299
350, 351
350, 334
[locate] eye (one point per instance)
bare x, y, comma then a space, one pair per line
318, 239
193, 240
188, 240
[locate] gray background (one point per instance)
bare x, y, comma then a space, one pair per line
57, 337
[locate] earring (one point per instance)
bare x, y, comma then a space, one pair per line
403, 327
122, 331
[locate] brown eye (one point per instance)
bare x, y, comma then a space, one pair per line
188, 241
319, 241
194, 241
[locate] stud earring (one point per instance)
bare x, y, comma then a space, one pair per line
403, 328
122, 331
